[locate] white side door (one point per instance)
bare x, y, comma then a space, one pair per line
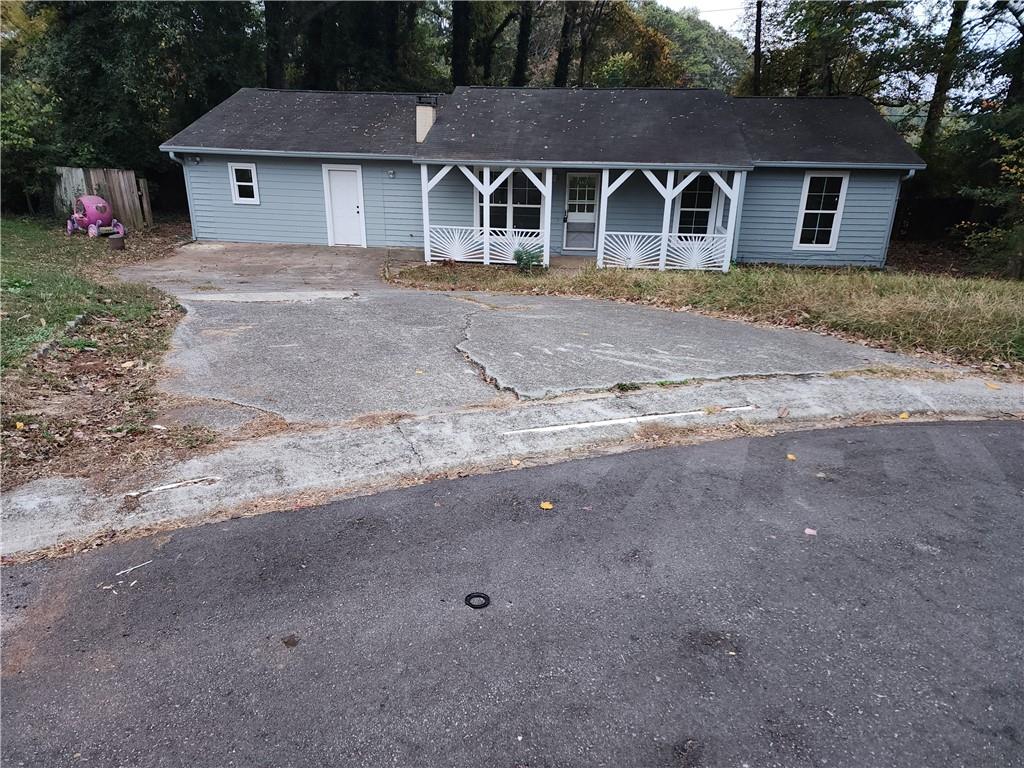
343, 190
581, 201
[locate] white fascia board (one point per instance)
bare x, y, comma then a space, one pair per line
278, 153
580, 164
850, 166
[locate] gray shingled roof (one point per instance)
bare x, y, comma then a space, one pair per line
341, 122
610, 125
843, 130
557, 126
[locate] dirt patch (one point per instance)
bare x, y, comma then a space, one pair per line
87, 409
382, 419
147, 244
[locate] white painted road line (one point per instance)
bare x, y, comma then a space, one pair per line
626, 420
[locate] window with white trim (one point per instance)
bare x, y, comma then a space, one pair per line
696, 203
244, 187
516, 203
821, 210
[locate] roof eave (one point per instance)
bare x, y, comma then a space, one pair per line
282, 153
864, 166
598, 164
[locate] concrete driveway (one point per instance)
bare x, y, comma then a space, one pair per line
313, 335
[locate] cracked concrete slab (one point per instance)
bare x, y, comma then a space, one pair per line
327, 361
341, 460
313, 335
545, 346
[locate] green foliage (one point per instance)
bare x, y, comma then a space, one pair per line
527, 259
708, 57
27, 136
1004, 238
875, 49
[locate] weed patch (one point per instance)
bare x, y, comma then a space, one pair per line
971, 319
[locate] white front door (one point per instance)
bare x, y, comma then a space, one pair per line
343, 185
581, 211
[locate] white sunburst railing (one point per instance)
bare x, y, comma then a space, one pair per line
468, 243
642, 250
457, 243
633, 250
505, 243
697, 251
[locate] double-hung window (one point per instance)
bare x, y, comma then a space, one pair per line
821, 210
244, 188
696, 203
515, 204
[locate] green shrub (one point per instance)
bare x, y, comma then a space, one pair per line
527, 259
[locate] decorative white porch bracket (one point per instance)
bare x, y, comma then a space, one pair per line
462, 237
689, 251
607, 187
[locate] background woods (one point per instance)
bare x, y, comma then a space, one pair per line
98, 83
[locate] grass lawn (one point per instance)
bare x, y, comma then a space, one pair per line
42, 286
87, 407
978, 320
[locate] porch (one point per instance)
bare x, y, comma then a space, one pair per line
643, 218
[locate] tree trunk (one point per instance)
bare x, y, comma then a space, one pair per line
803, 78
943, 79
485, 46
1015, 69
520, 75
590, 17
461, 29
274, 15
313, 54
757, 49
565, 45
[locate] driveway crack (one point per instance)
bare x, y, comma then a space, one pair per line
412, 445
480, 368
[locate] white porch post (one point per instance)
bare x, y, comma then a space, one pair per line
548, 186
487, 214
739, 185
602, 217
606, 192
666, 218
425, 194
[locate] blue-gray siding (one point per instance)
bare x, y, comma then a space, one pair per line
771, 205
292, 208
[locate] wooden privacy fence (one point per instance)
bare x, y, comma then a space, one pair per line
128, 196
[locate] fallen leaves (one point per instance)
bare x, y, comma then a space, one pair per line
546, 505
904, 416
790, 457
990, 385
85, 408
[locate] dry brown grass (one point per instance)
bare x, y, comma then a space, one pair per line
979, 320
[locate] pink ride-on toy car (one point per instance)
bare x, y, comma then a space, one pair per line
92, 213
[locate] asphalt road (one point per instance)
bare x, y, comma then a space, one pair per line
670, 610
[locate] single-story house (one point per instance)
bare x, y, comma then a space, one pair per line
632, 177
